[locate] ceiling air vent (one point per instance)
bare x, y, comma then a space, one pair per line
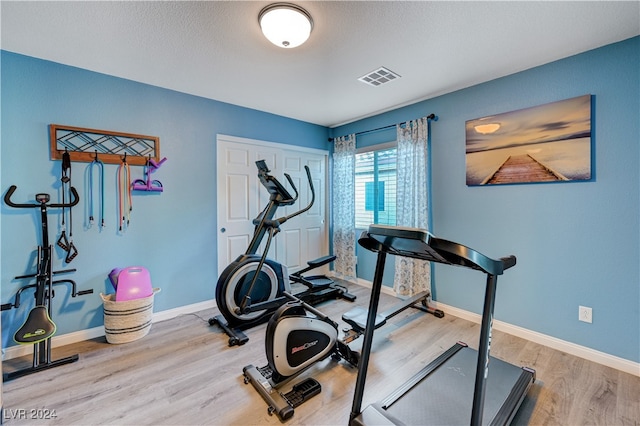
379, 77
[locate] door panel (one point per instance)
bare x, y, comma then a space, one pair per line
239, 186
314, 251
292, 255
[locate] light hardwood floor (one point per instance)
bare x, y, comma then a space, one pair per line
184, 373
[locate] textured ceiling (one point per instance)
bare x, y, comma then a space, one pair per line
214, 49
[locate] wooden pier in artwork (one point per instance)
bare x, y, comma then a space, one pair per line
523, 168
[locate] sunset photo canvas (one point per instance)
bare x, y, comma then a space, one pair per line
546, 143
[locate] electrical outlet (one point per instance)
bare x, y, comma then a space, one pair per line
585, 314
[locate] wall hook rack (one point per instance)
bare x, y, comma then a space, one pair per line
83, 145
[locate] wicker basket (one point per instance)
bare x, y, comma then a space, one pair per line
128, 320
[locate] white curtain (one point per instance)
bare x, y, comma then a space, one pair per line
412, 275
344, 232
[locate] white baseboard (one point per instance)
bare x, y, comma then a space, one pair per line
589, 354
189, 309
384, 289
92, 333
562, 345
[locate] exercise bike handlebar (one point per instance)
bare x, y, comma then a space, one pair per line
12, 189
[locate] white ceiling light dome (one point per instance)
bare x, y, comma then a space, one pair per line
285, 25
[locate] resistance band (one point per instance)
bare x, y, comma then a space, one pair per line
72, 252
63, 242
100, 167
124, 194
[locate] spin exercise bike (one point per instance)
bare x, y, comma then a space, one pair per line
38, 328
252, 287
298, 336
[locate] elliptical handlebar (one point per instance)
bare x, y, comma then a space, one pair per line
294, 199
280, 195
45, 198
313, 197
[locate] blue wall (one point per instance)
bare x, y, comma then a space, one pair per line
576, 243
173, 233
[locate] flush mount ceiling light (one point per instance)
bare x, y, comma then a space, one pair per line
285, 25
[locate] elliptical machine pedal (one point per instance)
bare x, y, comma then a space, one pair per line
302, 392
299, 393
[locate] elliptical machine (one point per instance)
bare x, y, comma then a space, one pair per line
253, 286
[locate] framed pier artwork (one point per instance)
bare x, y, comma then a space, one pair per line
546, 143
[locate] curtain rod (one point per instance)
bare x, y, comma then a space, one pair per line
430, 117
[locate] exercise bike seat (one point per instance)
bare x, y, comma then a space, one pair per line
37, 327
357, 318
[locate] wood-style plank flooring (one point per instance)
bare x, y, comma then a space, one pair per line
183, 373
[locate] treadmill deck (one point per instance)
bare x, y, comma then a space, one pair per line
445, 393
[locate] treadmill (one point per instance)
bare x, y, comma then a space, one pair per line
455, 388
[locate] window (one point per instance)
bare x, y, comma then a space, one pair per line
375, 190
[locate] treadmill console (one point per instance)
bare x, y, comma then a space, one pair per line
420, 244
